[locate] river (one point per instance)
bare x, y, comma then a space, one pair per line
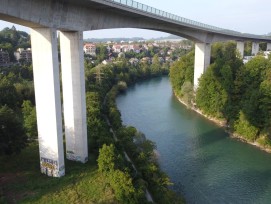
203, 162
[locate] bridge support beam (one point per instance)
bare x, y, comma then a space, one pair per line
240, 48
48, 104
255, 48
268, 47
202, 60
74, 99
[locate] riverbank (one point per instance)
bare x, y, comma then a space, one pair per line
141, 152
223, 123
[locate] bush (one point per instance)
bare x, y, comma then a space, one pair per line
243, 127
12, 135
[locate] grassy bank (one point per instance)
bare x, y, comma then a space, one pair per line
22, 182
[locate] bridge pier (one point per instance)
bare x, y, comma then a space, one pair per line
241, 47
202, 60
48, 103
255, 48
74, 99
268, 47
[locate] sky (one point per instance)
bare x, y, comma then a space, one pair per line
246, 16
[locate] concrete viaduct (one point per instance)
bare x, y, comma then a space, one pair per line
71, 18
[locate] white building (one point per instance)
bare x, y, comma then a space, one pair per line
90, 49
23, 55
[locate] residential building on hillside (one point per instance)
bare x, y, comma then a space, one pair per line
266, 54
146, 60
90, 49
134, 61
126, 48
117, 48
23, 55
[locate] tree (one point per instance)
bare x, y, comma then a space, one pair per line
181, 71
8, 93
187, 92
216, 94
30, 119
156, 66
122, 184
101, 52
243, 127
108, 159
12, 135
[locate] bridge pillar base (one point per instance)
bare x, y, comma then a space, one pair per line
48, 103
240, 48
255, 48
202, 60
74, 99
268, 47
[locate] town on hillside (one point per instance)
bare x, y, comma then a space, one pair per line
15, 48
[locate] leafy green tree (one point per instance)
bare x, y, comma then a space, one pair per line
12, 135
101, 52
122, 184
30, 120
8, 93
96, 126
243, 127
216, 94
248, 48
122, 86
156, 66
253, 76
108, 159
25, 91
187, 93
181, 71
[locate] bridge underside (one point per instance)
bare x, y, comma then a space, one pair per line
84, 15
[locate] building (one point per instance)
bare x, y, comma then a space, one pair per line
266, 54
23, 55
90, 49
117, 48
4, 58
146, 60
247, 59
134, 61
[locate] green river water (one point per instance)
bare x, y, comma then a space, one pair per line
203, 162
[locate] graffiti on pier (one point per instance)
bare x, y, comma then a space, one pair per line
50, 167
72, 156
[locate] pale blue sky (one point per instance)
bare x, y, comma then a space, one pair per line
248, 16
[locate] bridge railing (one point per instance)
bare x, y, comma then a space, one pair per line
179, 19
158, 12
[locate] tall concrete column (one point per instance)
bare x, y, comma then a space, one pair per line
240, 48
268, 47
48, 104
74, 99
202, 60
255, 48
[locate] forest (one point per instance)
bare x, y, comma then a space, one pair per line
238, 94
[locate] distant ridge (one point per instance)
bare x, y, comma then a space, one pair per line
113, 39
102, 40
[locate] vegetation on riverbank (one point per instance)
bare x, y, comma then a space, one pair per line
107, 177
230, 91
139, 149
